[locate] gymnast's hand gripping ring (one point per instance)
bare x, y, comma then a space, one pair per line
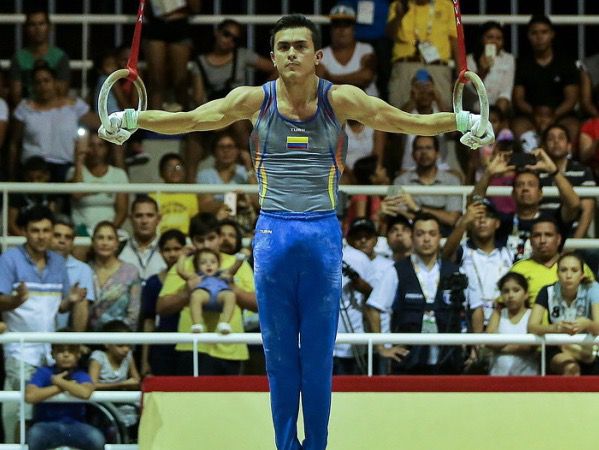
142, 104
482, 98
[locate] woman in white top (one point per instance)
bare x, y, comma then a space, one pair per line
46, 125
495, 66
572, 307
512, 318
92, 166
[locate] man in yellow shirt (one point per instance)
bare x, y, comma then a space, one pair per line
214, 359
424, 36
541, 268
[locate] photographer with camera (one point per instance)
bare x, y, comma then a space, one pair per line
527, 192
424, 294
356, 269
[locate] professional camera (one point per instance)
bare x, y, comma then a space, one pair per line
455, 283
350, 273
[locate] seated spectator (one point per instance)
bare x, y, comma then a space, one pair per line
141, 249
548, 79
347, 61
61, 424
481, 258
588, 145
80, 275
46, 125
424, 99
558, 145
366, 173
227, 170
118, 285
419, 303
589, 82
527, 193
214, 359
363, 141
92, 166
176, 208
167, 47
160, 359
424, 36
114, 369
4, 116
446, 208
512, 318
35, 170
37, 32
494, 66
571, 306
541, 268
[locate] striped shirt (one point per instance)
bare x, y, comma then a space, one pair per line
38, 313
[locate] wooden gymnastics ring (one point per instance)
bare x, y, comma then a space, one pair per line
481, 91
142, 103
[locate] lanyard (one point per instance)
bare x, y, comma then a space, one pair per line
428, 295
480, 280
139, 258
429, 25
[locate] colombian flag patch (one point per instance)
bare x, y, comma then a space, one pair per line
297, 142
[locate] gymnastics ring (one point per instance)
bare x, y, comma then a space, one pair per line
482, 98
142, 103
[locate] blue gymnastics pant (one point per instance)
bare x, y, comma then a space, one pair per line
297, 263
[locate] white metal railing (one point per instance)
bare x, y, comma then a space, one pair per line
140, 188
368, 339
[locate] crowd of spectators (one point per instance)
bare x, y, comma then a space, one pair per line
412, 263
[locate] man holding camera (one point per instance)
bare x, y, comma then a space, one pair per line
528, 194
423, 296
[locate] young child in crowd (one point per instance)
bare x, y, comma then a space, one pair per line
114, 369
211, 289
512, 318
61, 424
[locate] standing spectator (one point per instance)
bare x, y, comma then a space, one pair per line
419, 303
446, 208
33, 286
167, 49
80, 275
425, 98
424, 36
349, 359
512, 318
61, 424
527, 192
214, 359
363, 141
227, 170
46, 125
558, 145
92, 166
37, 31
118, 286
160, 359
176, 208
398, 243
494, 66
548, 79
571, 306
141, 250
541, 268
35, 170
481, 259
347, 61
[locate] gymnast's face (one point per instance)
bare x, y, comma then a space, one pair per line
294, 55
